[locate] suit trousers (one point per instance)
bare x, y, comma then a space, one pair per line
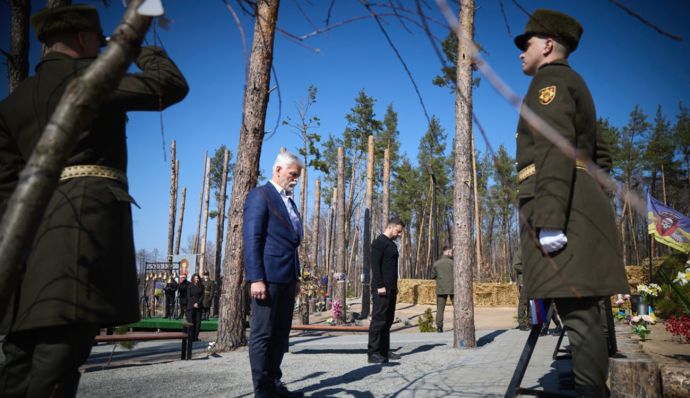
589, 347
45, 362
441, 306
382, 316
270, 331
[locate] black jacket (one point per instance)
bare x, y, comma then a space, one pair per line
195, 295
384, 263
182, 290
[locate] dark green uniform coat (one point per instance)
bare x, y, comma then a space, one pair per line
442, 271
562, 197
81, 268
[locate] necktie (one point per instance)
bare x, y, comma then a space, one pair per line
294, 217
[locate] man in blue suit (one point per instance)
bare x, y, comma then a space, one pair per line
272, 231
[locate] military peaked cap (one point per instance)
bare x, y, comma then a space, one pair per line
562, 27
70, 18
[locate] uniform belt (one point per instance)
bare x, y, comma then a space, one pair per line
531, 170
93, 170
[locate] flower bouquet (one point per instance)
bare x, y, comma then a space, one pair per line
640, 325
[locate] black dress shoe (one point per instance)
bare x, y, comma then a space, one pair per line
439, 329
392, 355
377, 358
282, 391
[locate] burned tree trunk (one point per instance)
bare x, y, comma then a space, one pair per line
197, 235
233, 312
341, 278
366, 235
477, 215
73, 114
464, 333
173, 201
18, 58
220, 225
207, 194
386, 187
180, 217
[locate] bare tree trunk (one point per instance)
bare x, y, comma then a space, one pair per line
18, 58
402, 264
430, 232
207, 195
351, 198
180, 218
418, 262
304, 246
329, 243
73, 114
366, 235
197, 236
173, 201
316, 224
220, 228
385, 216
340, 290
233, 309
624, 243
477, 214
464, 331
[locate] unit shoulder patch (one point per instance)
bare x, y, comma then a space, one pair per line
547, 94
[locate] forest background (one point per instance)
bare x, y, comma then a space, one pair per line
639, 77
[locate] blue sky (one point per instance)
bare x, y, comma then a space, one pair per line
624, 62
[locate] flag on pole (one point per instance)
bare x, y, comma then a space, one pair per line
667, 225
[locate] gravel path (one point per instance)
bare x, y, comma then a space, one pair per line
336, 366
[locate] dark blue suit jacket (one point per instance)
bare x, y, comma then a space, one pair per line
270, 241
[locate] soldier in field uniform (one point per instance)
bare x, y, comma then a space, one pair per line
80, 274
569, 243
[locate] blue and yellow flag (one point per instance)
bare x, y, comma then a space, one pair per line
667, 225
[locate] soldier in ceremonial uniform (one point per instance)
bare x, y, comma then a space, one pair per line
80, 274
569, 243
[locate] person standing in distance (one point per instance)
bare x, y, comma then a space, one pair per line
80, 273
271, 234
442, 271
384, 289
576, 258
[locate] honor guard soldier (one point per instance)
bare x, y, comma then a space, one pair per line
570, 248
80, 274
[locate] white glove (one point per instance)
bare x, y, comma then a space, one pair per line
552, 239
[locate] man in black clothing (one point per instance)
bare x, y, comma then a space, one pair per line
384, 289
170, 290
182, 294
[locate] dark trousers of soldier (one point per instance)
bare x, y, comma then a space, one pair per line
382, 316
169, 306
441, 307
589, 348
45, 362
194, 318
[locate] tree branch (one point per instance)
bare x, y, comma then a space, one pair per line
645, 22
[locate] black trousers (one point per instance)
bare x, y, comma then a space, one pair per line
270, 331
45, 362
183, 308
194, 317
382, 316
583, 319
169, 306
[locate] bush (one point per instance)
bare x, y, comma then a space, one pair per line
426, 322
668, 303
